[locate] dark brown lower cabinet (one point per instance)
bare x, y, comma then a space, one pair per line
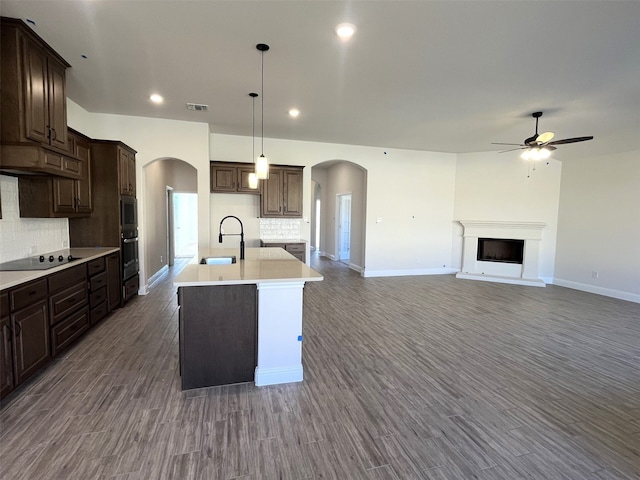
97, 289
31, 347
41, 318
218, 335
130, 287
6, 348
66, 332
114, 283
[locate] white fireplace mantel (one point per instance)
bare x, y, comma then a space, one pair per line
525, 274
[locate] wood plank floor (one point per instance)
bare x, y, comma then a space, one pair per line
426, 377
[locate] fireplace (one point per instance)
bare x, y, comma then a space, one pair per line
505, 252
500, 250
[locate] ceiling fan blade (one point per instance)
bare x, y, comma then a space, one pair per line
512, 149
518, 144
570, 140
545, 137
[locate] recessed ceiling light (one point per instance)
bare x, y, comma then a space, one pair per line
155, 98
345, 30
294, 112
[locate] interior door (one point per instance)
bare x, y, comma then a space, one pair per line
344, 228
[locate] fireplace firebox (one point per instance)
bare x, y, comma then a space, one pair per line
500, 250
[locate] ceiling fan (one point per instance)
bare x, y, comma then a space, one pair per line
540, 146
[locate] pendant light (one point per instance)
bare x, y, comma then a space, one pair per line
253, 177
262, 162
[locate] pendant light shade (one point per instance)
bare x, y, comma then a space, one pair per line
253, 177
262, 162
262, 167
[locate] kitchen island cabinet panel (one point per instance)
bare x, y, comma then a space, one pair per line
218, 335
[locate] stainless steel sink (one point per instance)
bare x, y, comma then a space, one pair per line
218, 260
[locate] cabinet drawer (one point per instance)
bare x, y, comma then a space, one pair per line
97, 297
70, 276
63, 303
28, 294
273, 245
98, 313
130, 287
295, 247
63, 334
97, 282
96, 266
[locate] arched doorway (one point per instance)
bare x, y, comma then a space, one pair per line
334, 181
165, 179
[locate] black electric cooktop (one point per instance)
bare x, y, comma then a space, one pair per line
39, 262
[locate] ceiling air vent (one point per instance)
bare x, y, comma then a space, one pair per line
197, 107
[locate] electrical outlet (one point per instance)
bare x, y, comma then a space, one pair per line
33, 250
595, 274
65, 244
161, 258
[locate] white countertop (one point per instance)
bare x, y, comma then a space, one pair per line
283, 240
11, 279
261, 265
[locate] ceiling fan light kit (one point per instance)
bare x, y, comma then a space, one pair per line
539, 146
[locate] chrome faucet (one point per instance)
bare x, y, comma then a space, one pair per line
220, 234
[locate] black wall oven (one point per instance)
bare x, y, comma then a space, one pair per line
128, 214
129, 249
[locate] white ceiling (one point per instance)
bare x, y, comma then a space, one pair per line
449, 76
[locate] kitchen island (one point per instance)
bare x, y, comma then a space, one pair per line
242, 321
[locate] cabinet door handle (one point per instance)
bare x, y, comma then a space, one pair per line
18, 330
53, 135
32, 292
8, 333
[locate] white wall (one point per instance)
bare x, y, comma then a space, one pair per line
244, 206
599, 225
153, 138
420, 195
493, 186
411, 191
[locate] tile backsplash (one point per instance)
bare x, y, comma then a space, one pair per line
280, 228
25, 237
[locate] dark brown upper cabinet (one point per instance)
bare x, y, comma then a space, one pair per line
53, 196
282, 192
34, 100
231, 178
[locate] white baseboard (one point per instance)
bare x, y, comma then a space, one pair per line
404, 273
355, 267
330, 256
607, 292
274, 376
156, 276
530, 282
